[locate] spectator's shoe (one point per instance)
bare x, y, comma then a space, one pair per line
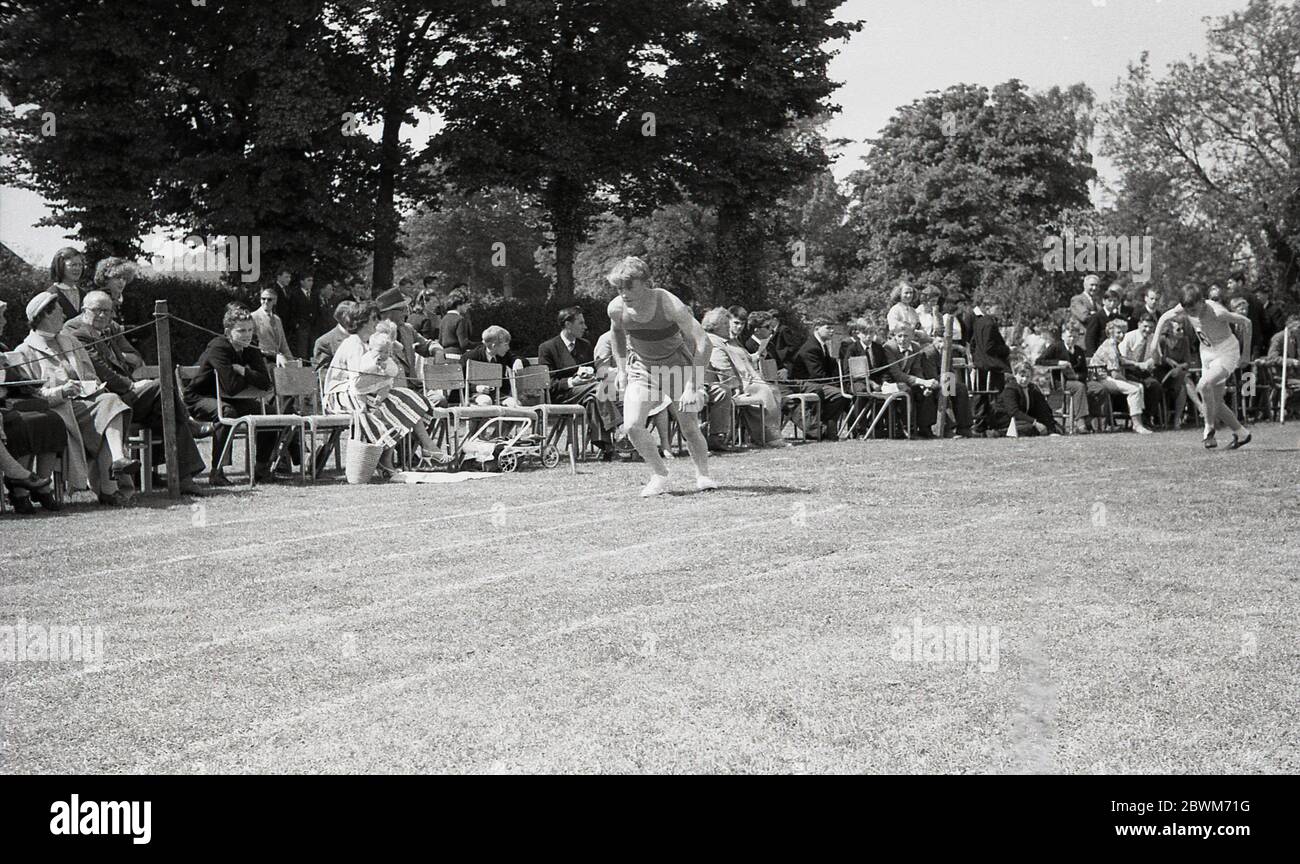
1141, 429
218, 478
22, 504
777, 444
606, 450
1238, 443
263, 474
199, 431
113, 499
704, 484
47, 501
658, 485
125, 466
192, 489
1209, 440
32, 483
721, 447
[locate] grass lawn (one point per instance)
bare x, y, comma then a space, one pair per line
1144, 593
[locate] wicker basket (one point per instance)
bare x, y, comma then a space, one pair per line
362, 458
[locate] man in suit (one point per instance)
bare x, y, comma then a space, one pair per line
769, 340
904, 366
394, 307
271, 338
814, 369
296, 306
1152, 308
990, 357
91, 328
328, 344
1086, 308
574, 380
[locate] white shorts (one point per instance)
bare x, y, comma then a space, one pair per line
1225, 354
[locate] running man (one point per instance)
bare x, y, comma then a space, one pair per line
1221, 356
661, 352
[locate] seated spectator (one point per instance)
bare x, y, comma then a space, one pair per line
814, 369
235, 364
112, 275
271, 340
903, 311
326, 346
904, 366
426, 315
29, 431
1064, 352
574, 380
95, 420
408, 346
769, 340
929, 312
377, 371
1022, 403
739, 325
930, 357
1285, 340
732, 369
1034, 338
1113, 378
455, 327
1137, 353
990, 357
495, 348
1177, 355
383, 419
66, 270
91, 329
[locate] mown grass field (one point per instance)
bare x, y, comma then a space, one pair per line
1145, 594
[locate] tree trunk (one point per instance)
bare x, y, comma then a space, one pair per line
564, 203
735, 263
386, 220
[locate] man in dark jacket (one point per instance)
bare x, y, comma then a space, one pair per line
573, 379
1022, 403
990, 357
814, 368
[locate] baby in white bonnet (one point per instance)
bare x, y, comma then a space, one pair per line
378, 370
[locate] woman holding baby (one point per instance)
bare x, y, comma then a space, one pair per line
362, 381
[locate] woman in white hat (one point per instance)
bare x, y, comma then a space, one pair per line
95, 419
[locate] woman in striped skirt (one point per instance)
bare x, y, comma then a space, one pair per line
383, 417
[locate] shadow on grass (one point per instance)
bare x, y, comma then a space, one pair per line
746, 491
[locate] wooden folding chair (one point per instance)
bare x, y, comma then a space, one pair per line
877, 404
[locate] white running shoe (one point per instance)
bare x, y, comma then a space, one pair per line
1141, 429
704, 484
658, 485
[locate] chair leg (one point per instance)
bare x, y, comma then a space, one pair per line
573, 444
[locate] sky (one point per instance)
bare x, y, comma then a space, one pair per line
906, 49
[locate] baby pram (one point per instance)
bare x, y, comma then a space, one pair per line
501, 442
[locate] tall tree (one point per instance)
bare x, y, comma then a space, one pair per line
548, 97
402, 41
1224, 129
85, 127
957, 188
748, 78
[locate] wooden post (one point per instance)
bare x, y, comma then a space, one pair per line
945, 373
1286, 355
167, 380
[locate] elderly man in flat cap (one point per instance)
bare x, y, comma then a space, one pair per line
93, 329
96, 419
395, 306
